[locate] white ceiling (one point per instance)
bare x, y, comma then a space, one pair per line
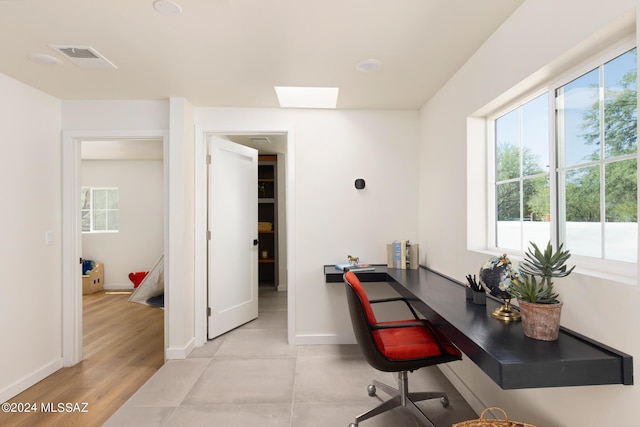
231, 53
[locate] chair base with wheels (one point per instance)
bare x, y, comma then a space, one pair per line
401, 397
399, 346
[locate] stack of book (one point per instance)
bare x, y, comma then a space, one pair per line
402, 254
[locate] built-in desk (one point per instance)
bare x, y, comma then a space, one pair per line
501, 349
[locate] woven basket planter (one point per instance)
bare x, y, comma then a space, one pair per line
486, 422
540, 321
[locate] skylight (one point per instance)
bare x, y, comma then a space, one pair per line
307, 97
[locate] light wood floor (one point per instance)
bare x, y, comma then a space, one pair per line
123, 347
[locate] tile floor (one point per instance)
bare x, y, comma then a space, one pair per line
252, 377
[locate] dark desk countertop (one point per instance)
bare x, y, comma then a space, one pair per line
501, 349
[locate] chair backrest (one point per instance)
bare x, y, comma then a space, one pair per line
364, 323
353, 281
362, 317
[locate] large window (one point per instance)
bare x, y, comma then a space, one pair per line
100, 211
586, 128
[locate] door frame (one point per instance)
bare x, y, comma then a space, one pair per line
72, 236
202, 134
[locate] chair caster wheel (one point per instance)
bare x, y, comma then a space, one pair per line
371, 390
353, 425
444, 401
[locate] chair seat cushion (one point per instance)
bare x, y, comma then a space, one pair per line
414, 342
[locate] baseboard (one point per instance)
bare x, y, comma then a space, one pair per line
31, 379
467, 394
180, 353
118, 286
325, 339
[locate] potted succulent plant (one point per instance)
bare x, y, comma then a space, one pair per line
533, 288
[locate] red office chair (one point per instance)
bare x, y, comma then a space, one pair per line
398, 346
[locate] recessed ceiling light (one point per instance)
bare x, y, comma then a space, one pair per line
41, 58
167, 7
307, 97
369, 65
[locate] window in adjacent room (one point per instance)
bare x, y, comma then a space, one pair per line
585, 126
100, 210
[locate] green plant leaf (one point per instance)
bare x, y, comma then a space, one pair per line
544, 265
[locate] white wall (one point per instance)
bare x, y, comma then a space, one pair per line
139, 242
526, 45
331, 218
30, 272
115, 115
180, 303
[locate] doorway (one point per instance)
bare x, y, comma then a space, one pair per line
72, 313
281, 144
122, 221
272, 221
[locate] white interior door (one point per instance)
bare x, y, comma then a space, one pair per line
233, 224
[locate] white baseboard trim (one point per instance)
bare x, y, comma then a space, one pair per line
118, 286
471, 398
180, 353
325, 339
26, 382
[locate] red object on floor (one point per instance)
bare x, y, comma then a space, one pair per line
137, 277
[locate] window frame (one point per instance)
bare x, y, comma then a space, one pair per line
622, 271
491, 166
91, 211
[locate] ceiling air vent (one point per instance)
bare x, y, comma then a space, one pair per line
84, 56
260, 140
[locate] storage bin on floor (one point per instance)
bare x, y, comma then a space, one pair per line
93, 281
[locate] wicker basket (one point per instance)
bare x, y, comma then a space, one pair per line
483, 422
